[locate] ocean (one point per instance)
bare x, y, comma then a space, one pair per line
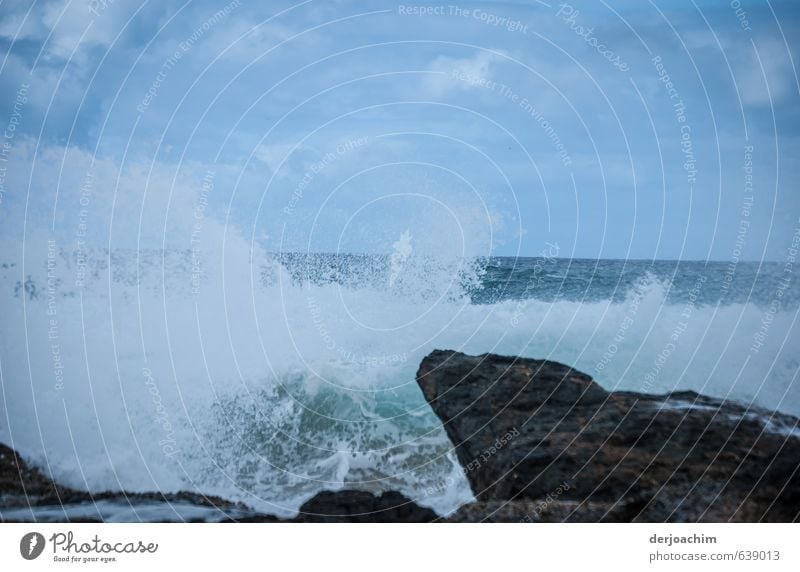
265, 378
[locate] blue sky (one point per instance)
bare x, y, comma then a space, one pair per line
340, 125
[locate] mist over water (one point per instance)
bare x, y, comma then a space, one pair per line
267, 377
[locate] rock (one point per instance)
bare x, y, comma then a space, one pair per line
21, 484
363, 506
540, 441
26, 494
355, 506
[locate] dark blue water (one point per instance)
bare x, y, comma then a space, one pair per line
554, 279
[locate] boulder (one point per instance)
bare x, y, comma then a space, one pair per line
541, 441
363, 506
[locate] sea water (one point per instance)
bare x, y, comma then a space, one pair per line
267, 377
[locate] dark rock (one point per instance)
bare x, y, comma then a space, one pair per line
355, 506
24, 487
25, 491
21, 485
362, 506
533, 433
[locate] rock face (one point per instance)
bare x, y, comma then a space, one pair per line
540, 441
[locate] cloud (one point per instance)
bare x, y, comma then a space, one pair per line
15, 25
275, 154
78, 196
459, 74
514, 102
65, 29
764, 73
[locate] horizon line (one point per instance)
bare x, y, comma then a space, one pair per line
609, 259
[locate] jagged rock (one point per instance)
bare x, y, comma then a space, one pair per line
542, 434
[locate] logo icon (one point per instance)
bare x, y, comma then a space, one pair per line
31, 545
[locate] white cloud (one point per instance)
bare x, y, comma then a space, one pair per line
66, 26
78, 192
771, 85
459, 74
274, 154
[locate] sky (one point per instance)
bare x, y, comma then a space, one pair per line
626, 129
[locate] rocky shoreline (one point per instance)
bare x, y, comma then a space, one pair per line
584, 454
538, 442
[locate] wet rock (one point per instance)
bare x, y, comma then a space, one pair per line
363, 506
21, 484
526, 431
28, 495
355, 506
